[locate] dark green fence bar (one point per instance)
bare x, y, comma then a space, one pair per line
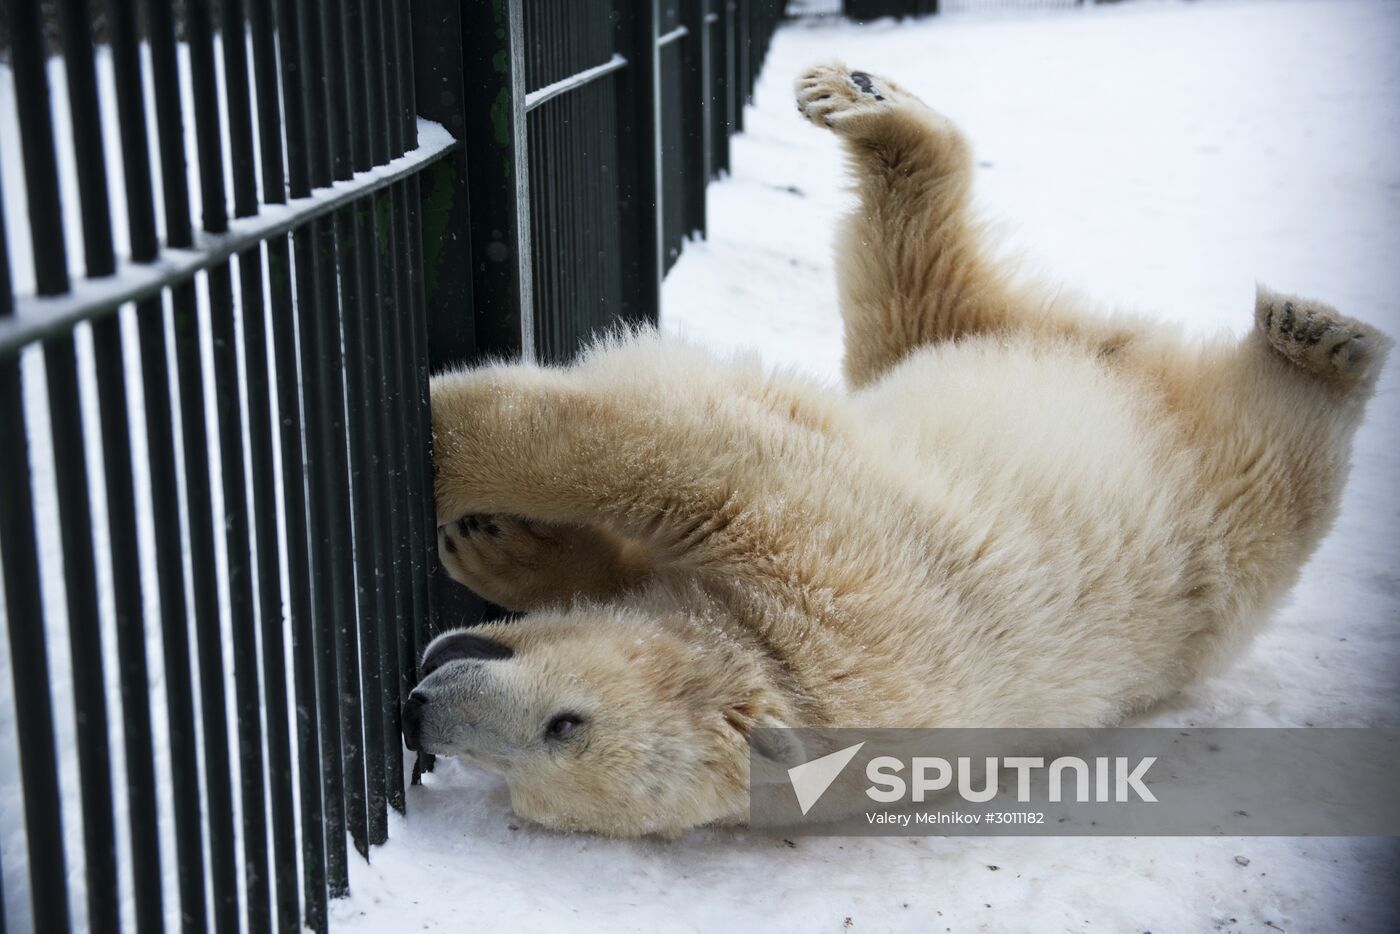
296, 466
396, 658
318, 314
263, 437
362, 298
141, 798
60, 356
200, 478
29, 669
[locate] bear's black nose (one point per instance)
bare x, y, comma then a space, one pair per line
413, 720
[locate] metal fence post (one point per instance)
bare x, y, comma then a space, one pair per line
439, 79
695, 71
639, 137
494, 112
459, 329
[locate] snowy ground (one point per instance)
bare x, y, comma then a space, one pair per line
1159, 154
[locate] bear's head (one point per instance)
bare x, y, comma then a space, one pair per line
599, 719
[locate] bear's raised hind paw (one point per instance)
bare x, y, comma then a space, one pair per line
831, 95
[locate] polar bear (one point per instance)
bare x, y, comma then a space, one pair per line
1020, 515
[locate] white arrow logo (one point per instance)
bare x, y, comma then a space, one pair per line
811, 779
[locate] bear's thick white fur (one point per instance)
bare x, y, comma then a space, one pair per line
1021, 514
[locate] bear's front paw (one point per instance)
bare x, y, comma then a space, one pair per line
835, 97
495, 555
523, 564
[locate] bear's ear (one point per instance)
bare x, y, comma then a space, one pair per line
779, 744
773, 747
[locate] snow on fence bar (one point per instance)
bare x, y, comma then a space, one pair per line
217, 526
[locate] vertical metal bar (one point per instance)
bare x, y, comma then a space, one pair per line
85, 637
389, 570
29, 665
318, 313
297, 462
84, 633
385, 140
344, 442
208, 148
695, 52
440, 92
170, 125
260, 432
441, 77
413, 535
7, 295
263, 23
361, 346
163, 467
238, 529
299, 612
552, 246
426, 623
78, 60
389, 33
376, 140
495, 118
719, 90
322, 365
141, 807
334, 30
731, 74
639, 126
557, 309
363, 743
741, 62
131, 114
399, 642
240, 122
218, 769
359, 726
160, 444
209, 638
419, 69
36, 144
395, 660
393, 464
274, 687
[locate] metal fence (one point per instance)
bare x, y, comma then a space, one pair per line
382, 189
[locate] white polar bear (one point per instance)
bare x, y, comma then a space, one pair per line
1021, 514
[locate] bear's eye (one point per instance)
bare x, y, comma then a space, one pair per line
563, 725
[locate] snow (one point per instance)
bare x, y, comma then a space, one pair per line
1163, 156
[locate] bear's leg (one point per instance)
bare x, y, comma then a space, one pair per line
1272, 418
524, 565
910, 262
649, 464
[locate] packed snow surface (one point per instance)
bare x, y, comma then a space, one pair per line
1164, 156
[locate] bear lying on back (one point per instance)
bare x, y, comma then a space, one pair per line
1021, 514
